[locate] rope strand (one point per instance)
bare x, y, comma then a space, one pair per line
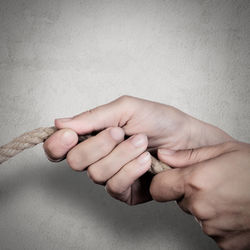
39, 135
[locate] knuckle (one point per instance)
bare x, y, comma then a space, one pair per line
196, 180
113, 188
73, 161
94, 175
208, 230
124, 98
125, 102
197, 209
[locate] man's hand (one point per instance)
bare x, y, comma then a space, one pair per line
213, 184
121, 164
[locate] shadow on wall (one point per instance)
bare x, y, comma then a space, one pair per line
62, 185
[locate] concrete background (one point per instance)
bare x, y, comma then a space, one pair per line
59, 58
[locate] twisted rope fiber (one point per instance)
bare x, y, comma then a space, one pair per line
39, 135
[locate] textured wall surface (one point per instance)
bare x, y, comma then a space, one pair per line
59, 58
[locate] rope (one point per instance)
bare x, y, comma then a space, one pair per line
39, 135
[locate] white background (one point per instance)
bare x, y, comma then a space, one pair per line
59, 58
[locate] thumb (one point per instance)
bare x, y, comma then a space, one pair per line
188, 157
168, 185
107, 115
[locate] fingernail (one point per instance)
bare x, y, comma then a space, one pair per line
64, 119
116, 133
164, 151
138, 140
144, 158
68, 137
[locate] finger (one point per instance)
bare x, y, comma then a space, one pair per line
94, 148
210, 230
168, 185
188, 157
119, 185
115, 113
195, 204
227, 222
58, 144
126, 151
234, 240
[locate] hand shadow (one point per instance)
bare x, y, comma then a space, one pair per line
161, 223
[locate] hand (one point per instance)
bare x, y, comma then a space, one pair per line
113, 161
213, 184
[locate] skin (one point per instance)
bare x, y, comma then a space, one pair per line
114, 161
212, 183
117, 157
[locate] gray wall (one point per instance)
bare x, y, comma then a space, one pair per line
59, 58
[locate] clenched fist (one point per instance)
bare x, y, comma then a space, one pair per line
128, 127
